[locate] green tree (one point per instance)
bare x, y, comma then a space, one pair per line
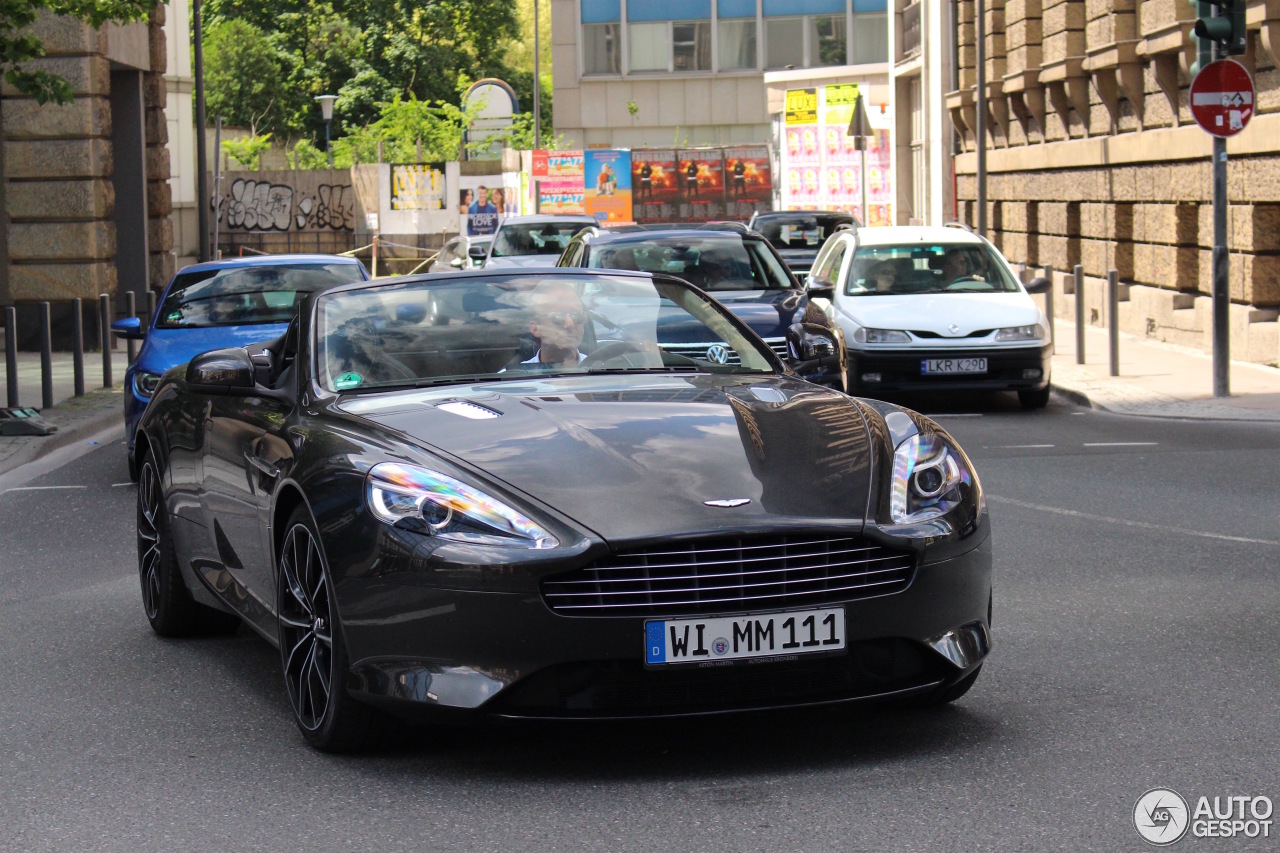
18, 46
247, 150
242, 76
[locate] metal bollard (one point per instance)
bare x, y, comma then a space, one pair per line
1079, 277
131, 307
11, 355
77, 353
1113, 319
104, 335
46, 358
1048, 301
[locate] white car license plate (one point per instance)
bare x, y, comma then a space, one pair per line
930, 366
736, 637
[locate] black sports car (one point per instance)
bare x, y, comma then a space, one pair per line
496, 492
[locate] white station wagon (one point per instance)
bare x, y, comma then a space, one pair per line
933, 308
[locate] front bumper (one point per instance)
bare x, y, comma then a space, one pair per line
418, 650
900, 369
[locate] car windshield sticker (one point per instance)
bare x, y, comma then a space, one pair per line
174, 316
347, 380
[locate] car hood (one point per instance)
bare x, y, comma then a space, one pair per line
166, 348
937, 312
638, 456
767, 312
521, 262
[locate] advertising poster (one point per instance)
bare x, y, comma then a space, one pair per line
417, 186
557, 164
481, 201
802, 151
607, 194
748, 179
700, 173
879, 185
561, 196
655, 188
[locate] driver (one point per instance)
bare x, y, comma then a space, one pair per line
955, 265
559, 322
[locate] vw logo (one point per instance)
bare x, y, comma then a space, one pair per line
718, 354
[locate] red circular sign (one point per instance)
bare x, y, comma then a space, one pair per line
1222, 97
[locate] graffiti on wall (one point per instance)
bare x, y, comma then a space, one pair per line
266, 203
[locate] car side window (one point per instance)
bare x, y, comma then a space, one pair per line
830, 265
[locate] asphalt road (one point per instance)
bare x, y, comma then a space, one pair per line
1137, 619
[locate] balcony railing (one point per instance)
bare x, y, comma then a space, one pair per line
911, 30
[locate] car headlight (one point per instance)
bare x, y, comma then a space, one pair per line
1034, 332
930, 478
145, 383
439, 505
881, 336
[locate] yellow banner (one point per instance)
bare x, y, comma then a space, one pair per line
841, 99
802, 106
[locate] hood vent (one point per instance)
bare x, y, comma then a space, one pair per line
465, 409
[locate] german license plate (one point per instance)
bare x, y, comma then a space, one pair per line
726, 638
931, 366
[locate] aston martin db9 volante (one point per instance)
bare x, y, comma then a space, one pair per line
496, 493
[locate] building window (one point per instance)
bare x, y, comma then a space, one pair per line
649, 46
784, 40
737, 45
691, 45
601, 49
827, 40
870, 38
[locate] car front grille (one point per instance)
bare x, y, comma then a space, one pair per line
699, 350
727, 575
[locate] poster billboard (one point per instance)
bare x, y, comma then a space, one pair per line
417, 186
482, 203
557, 164
655, 188
561, 196
748, 179
607, 194
700, 173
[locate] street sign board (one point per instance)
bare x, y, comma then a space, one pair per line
1222, 98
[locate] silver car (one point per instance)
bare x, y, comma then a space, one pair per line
462, 253
533, 241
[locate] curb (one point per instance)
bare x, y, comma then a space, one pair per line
64, 437
1077, 397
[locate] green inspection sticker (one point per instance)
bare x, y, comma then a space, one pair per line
348, 380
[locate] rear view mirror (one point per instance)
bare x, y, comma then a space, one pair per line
222, 371
130, 328
1039, 285
809, 342
477, 253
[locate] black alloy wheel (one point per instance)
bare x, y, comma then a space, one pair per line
169, 607
311, 651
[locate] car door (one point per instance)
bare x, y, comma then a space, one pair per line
245, 449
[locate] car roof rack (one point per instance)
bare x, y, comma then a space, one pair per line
966, 226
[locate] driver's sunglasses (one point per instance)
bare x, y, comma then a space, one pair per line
557, 318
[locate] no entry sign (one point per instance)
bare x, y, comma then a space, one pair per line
1222, 97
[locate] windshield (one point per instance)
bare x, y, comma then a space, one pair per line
245, 296
534, 238
800, 231
508, 327
711, 263
923, 268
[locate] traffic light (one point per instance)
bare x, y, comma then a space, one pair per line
1226, 27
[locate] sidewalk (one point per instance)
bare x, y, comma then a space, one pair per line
29, 376
1159, 380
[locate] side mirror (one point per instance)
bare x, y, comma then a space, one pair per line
477, 253
457, 263
130, 328
222, 371
818, 289
1039, 285
808, 342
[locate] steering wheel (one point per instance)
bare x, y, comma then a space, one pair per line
610, 351
960, 283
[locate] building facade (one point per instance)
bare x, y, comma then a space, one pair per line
1094, 159
645, 73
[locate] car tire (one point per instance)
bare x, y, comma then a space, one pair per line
1034, 399
313, 655
166, 601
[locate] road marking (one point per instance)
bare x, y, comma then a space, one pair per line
1121, 443
39, 488
1124, 522
962, 415
1017, 446
121, 485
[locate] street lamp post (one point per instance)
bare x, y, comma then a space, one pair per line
326, 110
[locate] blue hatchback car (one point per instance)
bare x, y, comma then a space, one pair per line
225, 303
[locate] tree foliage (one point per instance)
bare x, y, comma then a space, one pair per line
18, 46
242, 76
247, 150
